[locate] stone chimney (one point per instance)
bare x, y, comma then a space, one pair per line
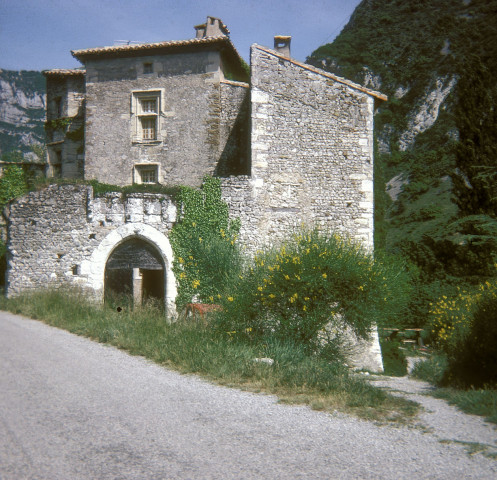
200, 30
213, 27
282, 44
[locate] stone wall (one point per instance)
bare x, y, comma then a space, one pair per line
62, 236
66, 146
312, 150
189, 131
234, 151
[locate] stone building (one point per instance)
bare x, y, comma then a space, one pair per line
293, 145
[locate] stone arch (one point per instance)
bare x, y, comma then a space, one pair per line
95, 267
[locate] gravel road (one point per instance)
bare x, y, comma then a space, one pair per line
71, 408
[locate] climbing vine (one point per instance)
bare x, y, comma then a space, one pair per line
204, 244
59, 124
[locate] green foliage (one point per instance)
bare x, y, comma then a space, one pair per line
481, 402
394, 360
204, 244
310, 289
475, 179
473, 360
432, 369
12, 184
14, 156
464, 327
58, 124
100, 189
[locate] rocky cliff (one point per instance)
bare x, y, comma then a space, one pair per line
435, 164
22, 110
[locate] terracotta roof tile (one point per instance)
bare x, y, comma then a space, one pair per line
144, 47
64, 72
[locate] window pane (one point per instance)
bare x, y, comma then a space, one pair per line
149, 105
148, 174
148, 128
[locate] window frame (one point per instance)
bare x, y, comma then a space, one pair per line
148, 68
142, 113
140, 168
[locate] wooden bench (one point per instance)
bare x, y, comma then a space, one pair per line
397, 334
418, 339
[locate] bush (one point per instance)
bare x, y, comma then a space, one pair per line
12, 184
432, 370
464, 328
310, 291
451, 317
394, 360
473, 360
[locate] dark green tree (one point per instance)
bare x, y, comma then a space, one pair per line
475, 180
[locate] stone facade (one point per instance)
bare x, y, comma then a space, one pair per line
311, 154
189, 139
63, 236
65, 122
293, 147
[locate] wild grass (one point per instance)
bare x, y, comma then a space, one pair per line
482, 401
191, 347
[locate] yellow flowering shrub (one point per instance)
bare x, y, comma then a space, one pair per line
450, 318
295, 292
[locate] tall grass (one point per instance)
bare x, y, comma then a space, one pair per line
195, 348
481, 401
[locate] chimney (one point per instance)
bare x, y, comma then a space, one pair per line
282, 44
200, 30
214, 27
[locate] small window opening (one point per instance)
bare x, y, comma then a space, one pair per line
148, 68
58, 107
76, 270
146, 174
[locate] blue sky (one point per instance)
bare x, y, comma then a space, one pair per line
39, 34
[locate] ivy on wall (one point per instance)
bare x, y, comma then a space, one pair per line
204, 244
12, 184
59, 124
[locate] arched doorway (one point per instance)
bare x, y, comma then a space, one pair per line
135, 271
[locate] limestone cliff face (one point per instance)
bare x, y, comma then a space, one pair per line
22, 109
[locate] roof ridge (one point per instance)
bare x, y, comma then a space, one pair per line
64, 71
148, 46
349, 83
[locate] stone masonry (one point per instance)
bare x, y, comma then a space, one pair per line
63, 236
292, 144
311, 154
